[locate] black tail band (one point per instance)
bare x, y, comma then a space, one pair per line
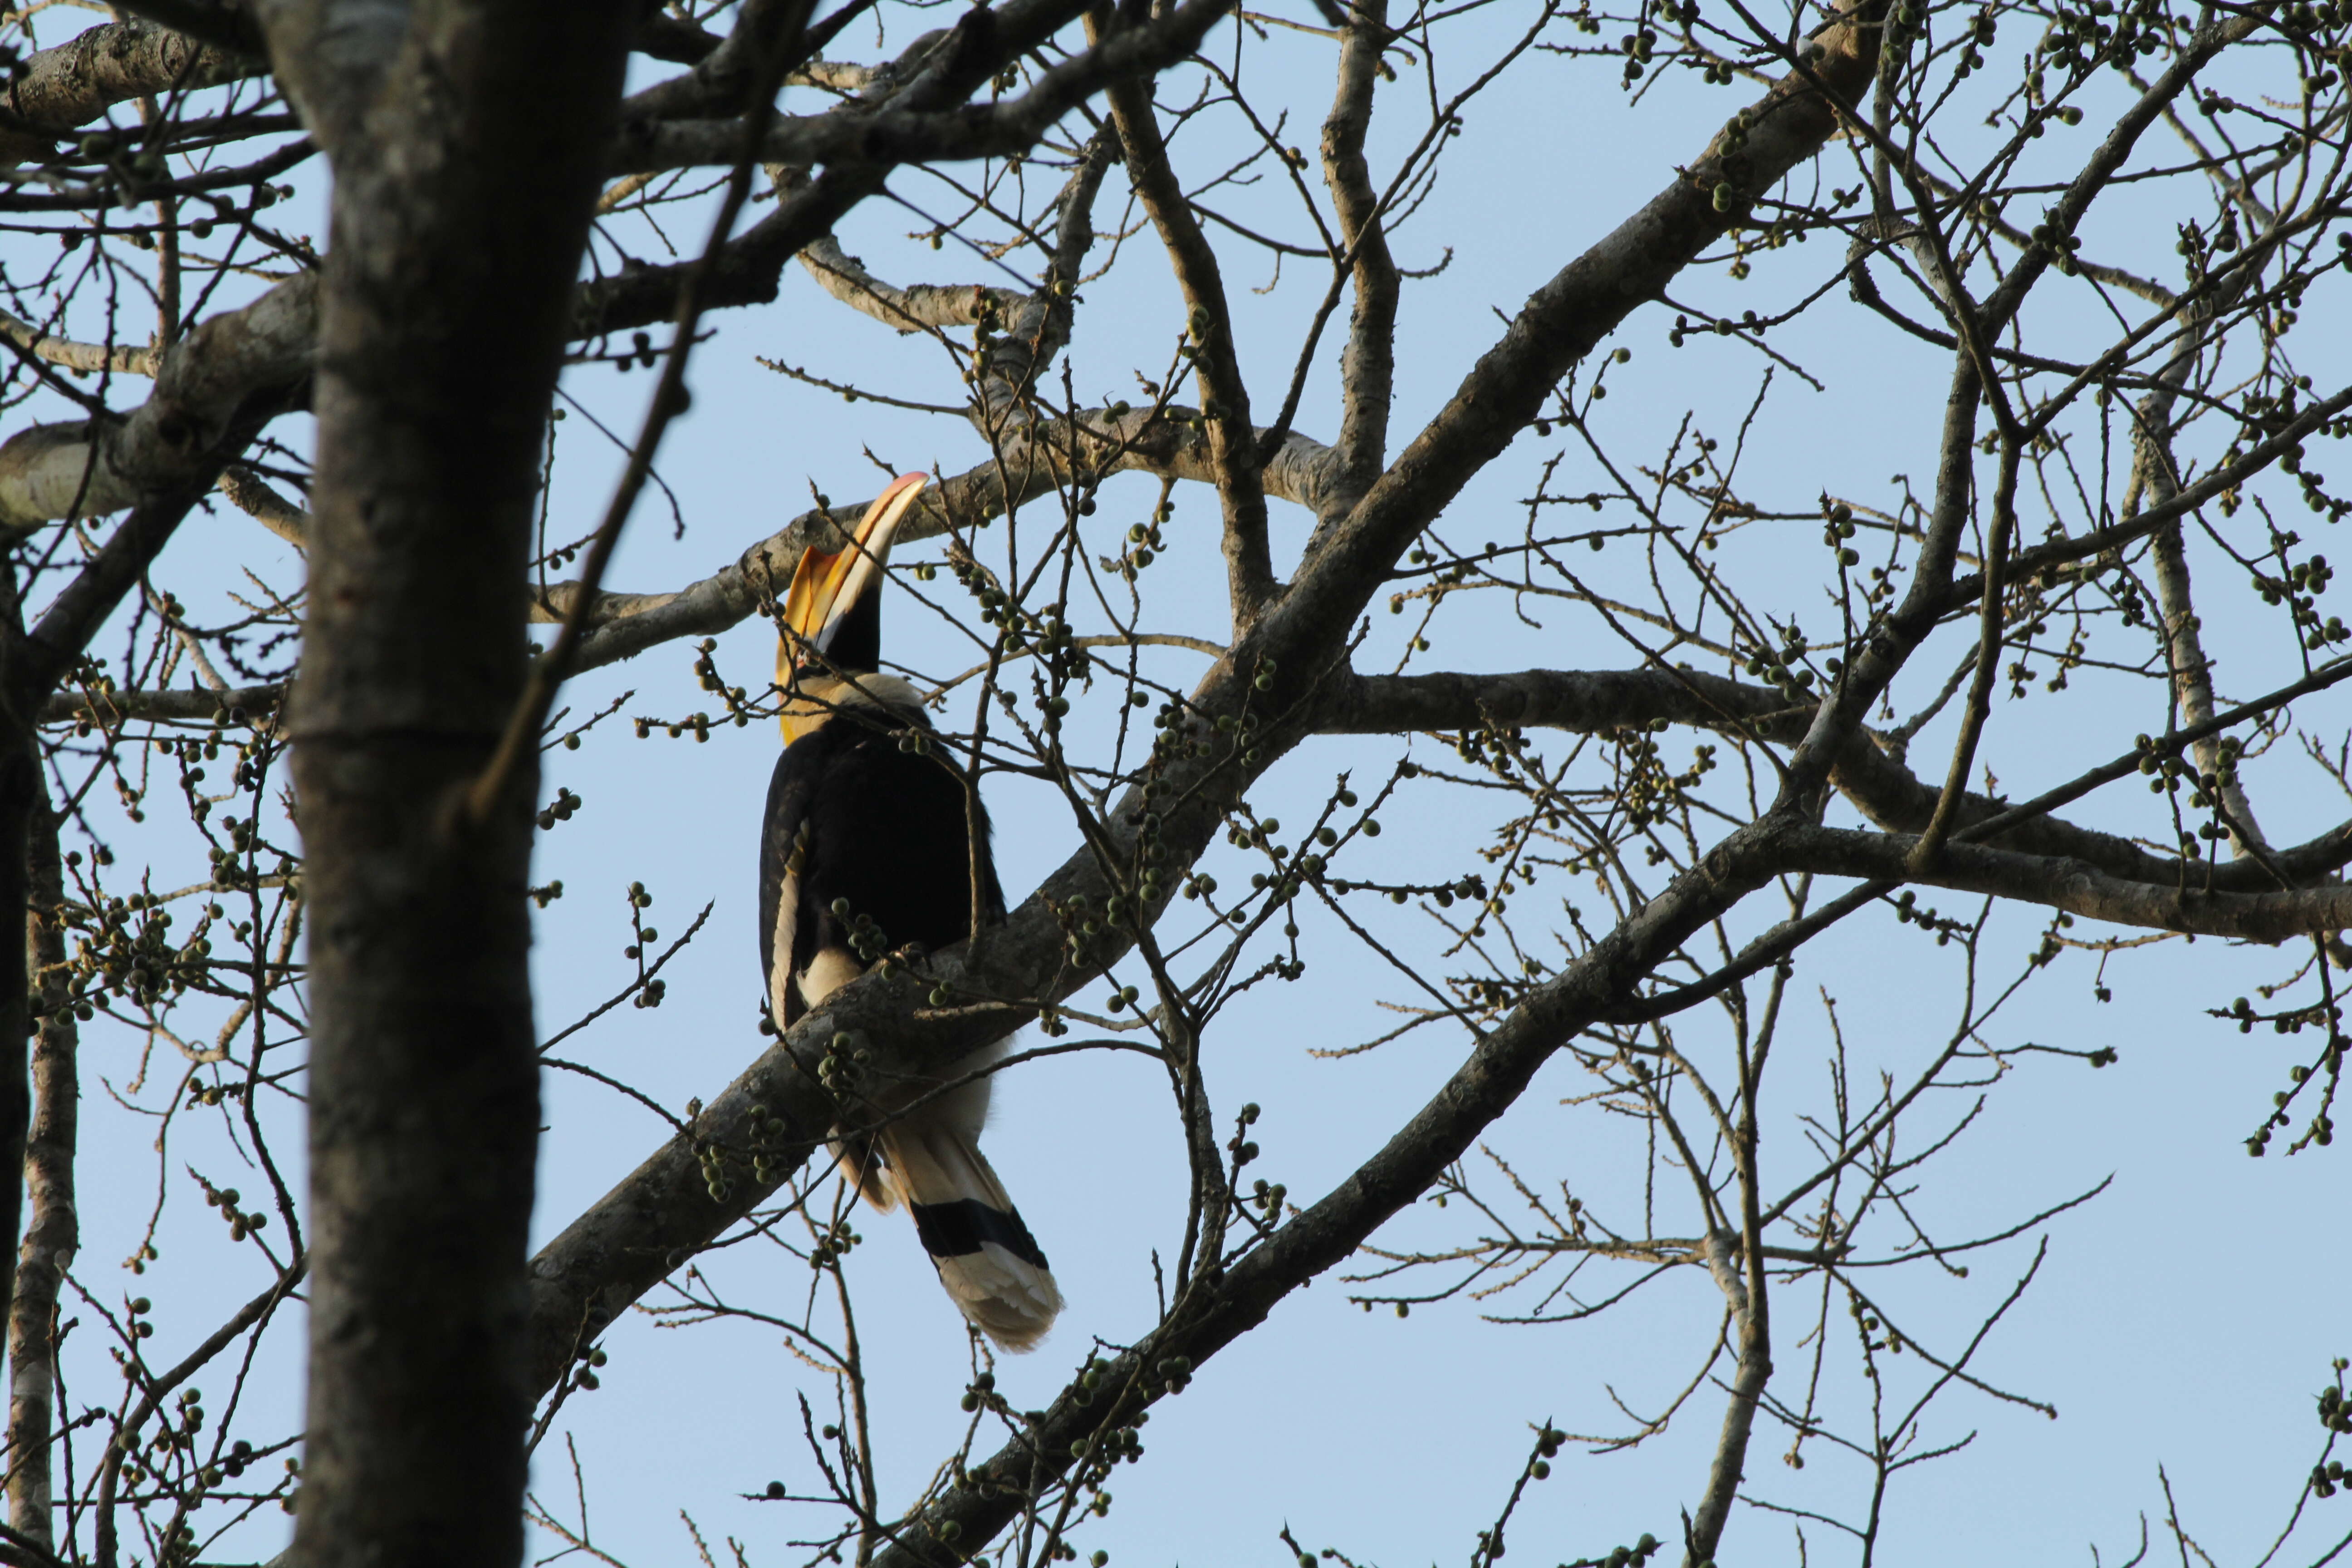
952, 1230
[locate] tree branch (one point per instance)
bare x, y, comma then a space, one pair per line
938, 69
1036, 464
906, 310
1367, 369
1751, 1334
2043, 558
194, 706
52, 1232
1224, 395
723, 72
252, 496
1330, 1229
1565, 319
89, 468
859, 134
1885, 791
64, 87
1011, 362
221, 25
257, 355
2075, 886
54, 350
467, 140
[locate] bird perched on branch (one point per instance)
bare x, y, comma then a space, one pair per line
873, 840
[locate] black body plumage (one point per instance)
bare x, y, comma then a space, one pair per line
879, 825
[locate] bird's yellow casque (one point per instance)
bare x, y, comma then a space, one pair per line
867, 847
827, 589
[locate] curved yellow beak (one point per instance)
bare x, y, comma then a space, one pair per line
827, 587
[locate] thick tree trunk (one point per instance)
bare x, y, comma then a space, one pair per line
467, 139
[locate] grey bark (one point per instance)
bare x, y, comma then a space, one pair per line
53, 1234
906, 310
75, 355
20, 781
109, 708
1368, 370
67, 87
2075, 886
1033, 465
467, 140
1750, 1338
256, 356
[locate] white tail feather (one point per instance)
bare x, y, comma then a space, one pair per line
1013, 1302
928, 1158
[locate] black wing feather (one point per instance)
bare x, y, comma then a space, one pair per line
886, 830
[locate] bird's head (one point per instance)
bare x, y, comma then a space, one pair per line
832, 615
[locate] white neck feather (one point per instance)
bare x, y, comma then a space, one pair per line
817, 697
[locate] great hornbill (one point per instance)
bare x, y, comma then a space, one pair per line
869, 842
